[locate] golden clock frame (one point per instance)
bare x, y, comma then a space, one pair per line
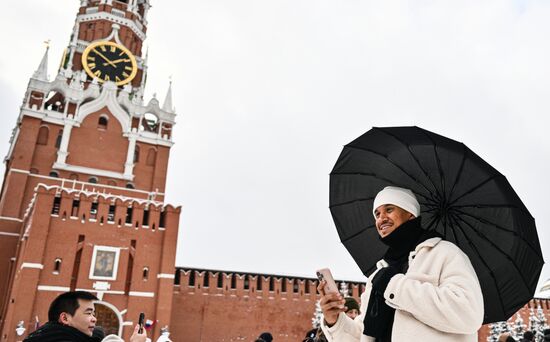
119, 46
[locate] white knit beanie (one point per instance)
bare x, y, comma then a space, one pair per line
401, 197
112, 338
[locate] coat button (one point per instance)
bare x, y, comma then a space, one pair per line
391, 296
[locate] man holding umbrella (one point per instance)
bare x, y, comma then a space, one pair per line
424, 288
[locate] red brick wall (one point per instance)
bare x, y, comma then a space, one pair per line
234, 314
98, 148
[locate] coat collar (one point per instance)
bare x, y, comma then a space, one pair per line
429, 243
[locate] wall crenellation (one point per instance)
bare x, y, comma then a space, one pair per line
102, 209
251, 284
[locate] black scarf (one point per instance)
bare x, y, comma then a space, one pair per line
379, 317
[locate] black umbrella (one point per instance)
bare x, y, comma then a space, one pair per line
461, 196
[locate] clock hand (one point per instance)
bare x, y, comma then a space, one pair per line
116, 61
105, 58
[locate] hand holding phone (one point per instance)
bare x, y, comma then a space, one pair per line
330, 284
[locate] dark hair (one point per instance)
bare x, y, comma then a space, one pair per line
510, 339
67, 302
528, 335
266, 336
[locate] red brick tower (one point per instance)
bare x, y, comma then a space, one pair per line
82, 203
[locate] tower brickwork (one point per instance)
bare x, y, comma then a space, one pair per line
82, 201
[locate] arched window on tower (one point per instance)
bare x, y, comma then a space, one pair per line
162, 219
92, 180
136, 154
57, 266
58, 139
259, 283
43, 136
93, 211
56, 205
145, 273
54, 174
149, 123
111, 214
102, 122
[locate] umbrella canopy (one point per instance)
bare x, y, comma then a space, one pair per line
461, 196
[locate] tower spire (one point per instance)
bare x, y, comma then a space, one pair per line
168, 100
42, 72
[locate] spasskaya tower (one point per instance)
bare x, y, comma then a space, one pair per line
82, 203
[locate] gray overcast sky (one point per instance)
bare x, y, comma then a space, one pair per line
268, 92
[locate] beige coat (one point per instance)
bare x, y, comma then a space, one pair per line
438, 299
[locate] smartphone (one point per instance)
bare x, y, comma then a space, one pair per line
140, 322
326, 275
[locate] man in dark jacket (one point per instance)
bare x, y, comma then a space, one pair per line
71, 318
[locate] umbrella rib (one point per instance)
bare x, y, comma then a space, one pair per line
501, 228
483, 262
415, 159
461, 168
475, 188
397, 166
436, 218
497, 248
429, 226
441, 174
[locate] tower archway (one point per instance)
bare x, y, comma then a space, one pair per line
108, 317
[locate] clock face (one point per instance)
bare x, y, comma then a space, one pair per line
108, 61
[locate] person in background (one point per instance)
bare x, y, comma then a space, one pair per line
71, 317
528, 336
352, 307
266, 337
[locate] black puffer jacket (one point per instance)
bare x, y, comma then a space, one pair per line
55, 332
